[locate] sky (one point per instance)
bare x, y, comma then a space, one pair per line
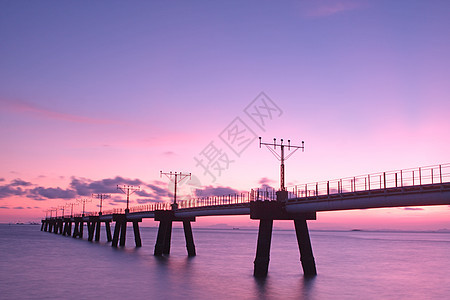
95, 94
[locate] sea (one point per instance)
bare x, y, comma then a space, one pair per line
350, 265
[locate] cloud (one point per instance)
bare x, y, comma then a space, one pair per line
119, 200
168, 153
155, 191
2, 179
325, 8
158, 191
86, 187
266, 180
24, 107
215, 191
145, 201
412, 208
51, 193
20, 182
18, 207
10, 190
4, 207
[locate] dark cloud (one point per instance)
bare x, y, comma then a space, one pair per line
4, 207
9, 190
155, 194
14, 188
52, 193
82, 187
215, 191
86, 187
119, 200
2, 179
145, 201
412, 208
160, 192
143, 194
18, 207
20, 182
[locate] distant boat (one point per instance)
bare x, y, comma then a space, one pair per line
235, 228
356, 230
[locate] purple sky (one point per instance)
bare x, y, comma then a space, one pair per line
100, 90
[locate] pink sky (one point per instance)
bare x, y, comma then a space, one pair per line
96, 94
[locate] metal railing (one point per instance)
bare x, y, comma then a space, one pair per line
375, 181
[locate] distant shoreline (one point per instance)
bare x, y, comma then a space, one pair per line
237, 229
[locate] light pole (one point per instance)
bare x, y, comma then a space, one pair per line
128, 189
101, 197
177, 177
84, 201
282, 159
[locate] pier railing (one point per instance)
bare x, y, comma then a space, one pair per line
375, 181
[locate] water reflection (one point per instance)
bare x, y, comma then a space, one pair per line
269, 288
307, 286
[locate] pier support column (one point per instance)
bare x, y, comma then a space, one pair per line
115, 240
167, 238
189, 238
108, 231
261, 263
42, 226
97, 230
60, 226
137, 235
67, 230
160, 239
78, 228
304, 245
90, 227
55, 227
123, 233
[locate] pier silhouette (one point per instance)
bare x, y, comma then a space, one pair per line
422, 186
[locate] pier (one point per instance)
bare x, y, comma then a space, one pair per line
412, 187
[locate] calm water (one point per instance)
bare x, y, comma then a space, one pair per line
351, 265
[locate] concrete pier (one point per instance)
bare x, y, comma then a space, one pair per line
91, 227
78, 227
268, 211
137, 234
108, 231
163, 240
304, 245
161, 246
120, 230
189, 238
67, 230
261, 263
